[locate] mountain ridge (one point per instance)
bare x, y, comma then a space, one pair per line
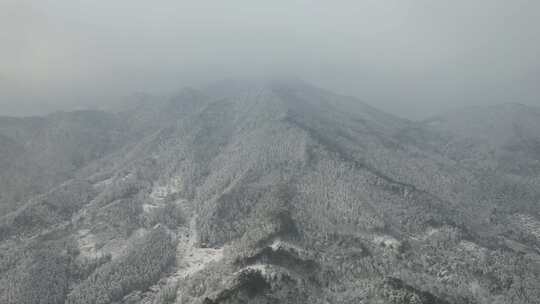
273, 193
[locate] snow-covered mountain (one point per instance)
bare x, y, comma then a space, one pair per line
275, 192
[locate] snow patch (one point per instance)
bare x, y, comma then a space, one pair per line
278, 244
92, 246
174, 185
262, 268
387, 241
529, 224
192, 259
148, 207
189, 257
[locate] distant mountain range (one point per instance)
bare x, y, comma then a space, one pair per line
274, 192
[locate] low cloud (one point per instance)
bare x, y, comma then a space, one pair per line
411, 58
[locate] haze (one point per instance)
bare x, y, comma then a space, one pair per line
412, 58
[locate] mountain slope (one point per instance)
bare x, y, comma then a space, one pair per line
41, 152
271, 193
509, 133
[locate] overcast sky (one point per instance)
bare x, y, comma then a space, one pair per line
413, 58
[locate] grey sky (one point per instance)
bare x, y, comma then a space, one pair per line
413, 58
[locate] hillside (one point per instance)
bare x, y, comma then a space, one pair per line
41, 152
275, 192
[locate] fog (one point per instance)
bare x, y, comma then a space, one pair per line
413, 58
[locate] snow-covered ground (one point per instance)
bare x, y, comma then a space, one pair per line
160, 191
190, 258
387, 240
90, 245
279, 244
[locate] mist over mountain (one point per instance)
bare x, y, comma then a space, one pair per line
269, 192
411, 58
